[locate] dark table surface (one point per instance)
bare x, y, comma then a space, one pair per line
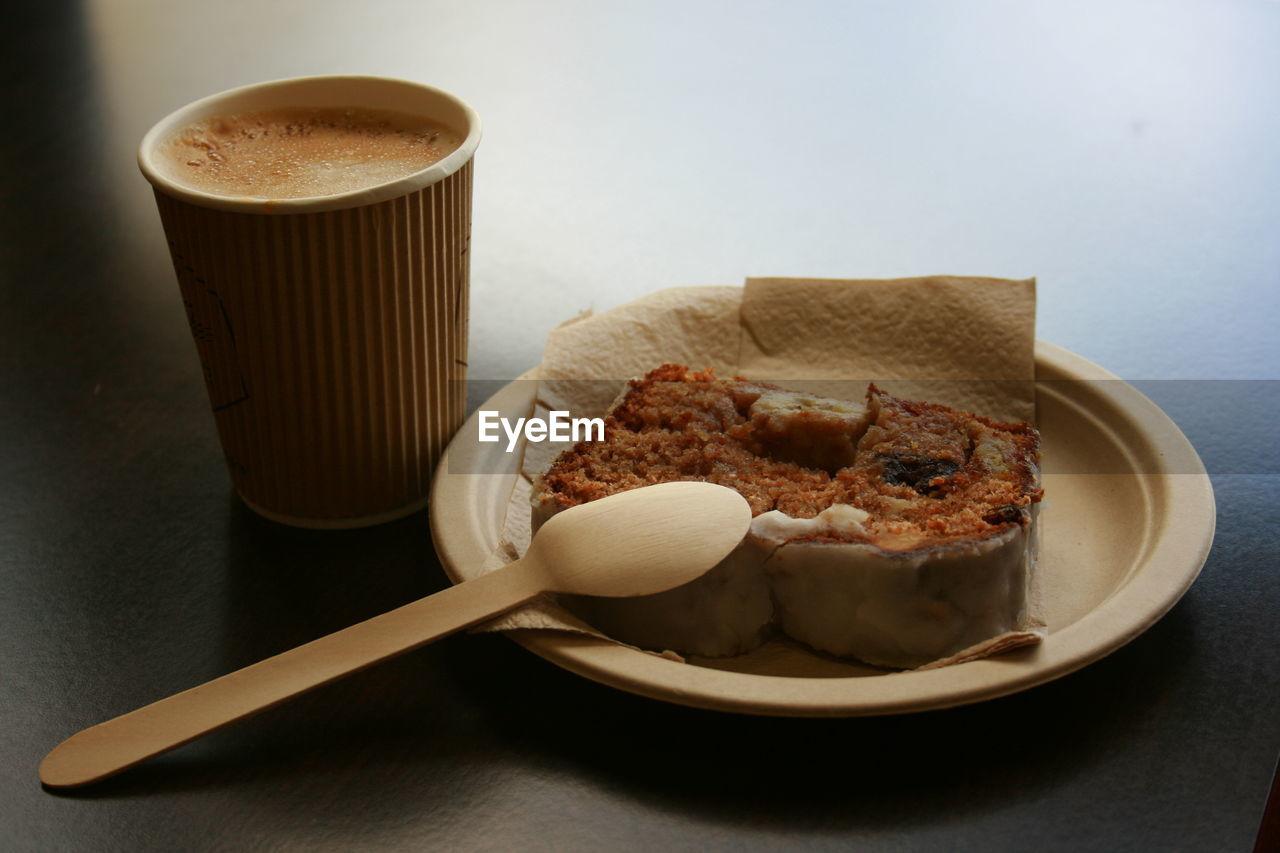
1124, 153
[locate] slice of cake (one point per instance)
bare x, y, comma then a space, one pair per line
896, 532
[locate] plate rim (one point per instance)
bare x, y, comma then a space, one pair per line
1162, 573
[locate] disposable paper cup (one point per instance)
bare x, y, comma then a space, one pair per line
332, 330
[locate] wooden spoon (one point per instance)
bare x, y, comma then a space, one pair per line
634, 543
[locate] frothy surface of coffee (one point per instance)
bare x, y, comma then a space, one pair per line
302, 152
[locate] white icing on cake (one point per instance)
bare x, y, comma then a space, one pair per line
887, 608
838, 519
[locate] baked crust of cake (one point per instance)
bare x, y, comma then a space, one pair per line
894, 531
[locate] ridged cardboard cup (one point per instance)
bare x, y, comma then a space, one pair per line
332, 330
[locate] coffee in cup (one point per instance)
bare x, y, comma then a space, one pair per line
300, 152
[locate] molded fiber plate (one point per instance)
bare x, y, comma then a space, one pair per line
1127, 524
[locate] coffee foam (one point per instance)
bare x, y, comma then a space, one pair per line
302, 153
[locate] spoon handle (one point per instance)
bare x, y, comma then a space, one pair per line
107, 748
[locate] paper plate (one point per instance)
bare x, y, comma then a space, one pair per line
1126, 526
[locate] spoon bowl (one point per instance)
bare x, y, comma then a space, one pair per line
642, 541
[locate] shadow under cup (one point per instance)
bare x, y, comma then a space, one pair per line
332, 330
